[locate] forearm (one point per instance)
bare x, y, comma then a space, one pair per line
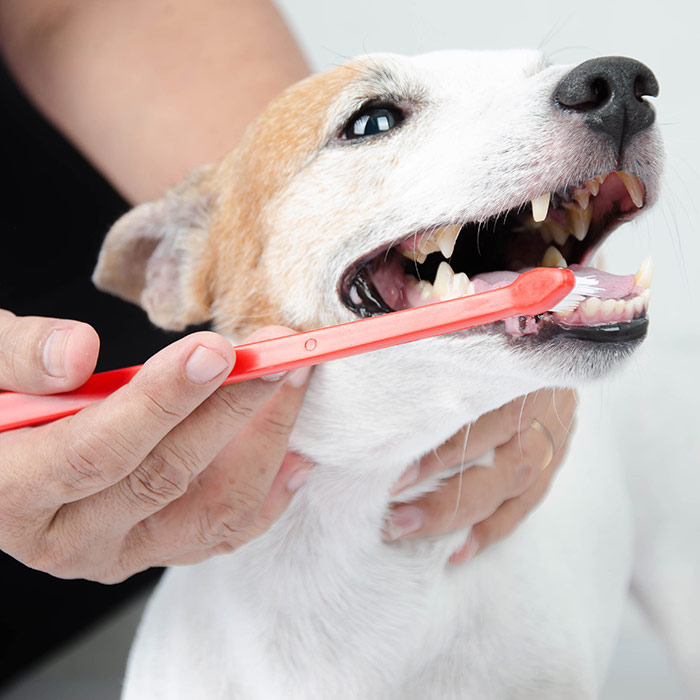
148, 89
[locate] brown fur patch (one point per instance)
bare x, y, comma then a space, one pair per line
275, 148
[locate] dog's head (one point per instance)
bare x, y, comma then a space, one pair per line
392, 181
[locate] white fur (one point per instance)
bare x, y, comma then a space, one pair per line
320, 606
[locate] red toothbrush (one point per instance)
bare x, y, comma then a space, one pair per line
532, 293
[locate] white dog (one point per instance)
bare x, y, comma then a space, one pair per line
344, 199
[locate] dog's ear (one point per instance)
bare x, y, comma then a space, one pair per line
153, 256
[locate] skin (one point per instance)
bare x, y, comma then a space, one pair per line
172, 468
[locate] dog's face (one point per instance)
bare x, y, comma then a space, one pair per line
353, 190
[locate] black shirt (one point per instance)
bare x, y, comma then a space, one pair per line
54, 213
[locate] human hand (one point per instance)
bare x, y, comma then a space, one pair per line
529, 437
169, 469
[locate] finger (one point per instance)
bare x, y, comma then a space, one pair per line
45, 355
489, 432
504, 520
239, 494
476, 493
81, 455
293, 473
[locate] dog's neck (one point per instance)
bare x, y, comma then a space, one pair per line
326, 558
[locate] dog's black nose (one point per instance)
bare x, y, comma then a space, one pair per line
609, 93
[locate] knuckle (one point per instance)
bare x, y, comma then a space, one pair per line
278, 427
164, 410
86, 457
226, 403
226, 522
160, 479
524, 475
57, 558
512, 416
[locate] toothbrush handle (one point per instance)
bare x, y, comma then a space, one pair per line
531, 293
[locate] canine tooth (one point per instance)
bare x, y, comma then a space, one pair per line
443, 279
354, 295
634, 187
540, 207
607, 308
553, 258
645, 272
446, 238
579, 221
593, 186
582, 197
590, 307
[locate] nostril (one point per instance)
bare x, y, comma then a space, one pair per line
609, 94
601, 90
642, 88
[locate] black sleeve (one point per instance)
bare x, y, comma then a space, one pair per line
55, 211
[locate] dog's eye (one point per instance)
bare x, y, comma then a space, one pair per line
371, 121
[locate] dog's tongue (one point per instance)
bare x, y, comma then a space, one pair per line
610, 286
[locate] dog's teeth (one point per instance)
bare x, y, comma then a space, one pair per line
600, 179
607, 309
426, 289
634, 186
552, 231
461, 286
355, 296
593, 186
620, 308
579, 221
427, 244
443, 279
582, 197
639, 304
646, 295
553, 258
414, 255
644, 274
590, 307
446, 238
540, 207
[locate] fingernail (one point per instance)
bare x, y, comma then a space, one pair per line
54, 352
298, 479
204, 365
403, 521
273, 377
408, 478
467, 551
298, 377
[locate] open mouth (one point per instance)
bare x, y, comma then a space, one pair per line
557, 229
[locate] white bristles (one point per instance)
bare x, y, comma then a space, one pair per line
585, 287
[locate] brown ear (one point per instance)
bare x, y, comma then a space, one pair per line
153, 256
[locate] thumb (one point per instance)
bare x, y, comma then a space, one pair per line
45, 355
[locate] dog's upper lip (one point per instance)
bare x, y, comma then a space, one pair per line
562, 227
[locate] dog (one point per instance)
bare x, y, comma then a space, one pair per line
386, 183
